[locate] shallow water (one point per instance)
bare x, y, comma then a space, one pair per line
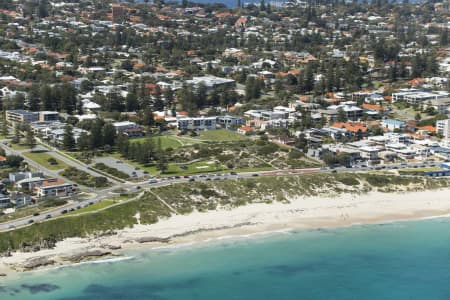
405, 260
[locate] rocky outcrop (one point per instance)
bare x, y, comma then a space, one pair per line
87, 255
152, 239
37, 263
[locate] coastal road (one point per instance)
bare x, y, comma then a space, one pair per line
153, 183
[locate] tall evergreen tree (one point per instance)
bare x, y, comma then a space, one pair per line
68, 142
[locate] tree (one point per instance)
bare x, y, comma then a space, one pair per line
341, 116
5, 130
33, 98
83, 142
16, 137
109, 134
14, 161
29, 138
68, 142
162, 163
418, 117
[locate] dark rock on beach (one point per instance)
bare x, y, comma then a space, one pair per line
88, 255
38, 262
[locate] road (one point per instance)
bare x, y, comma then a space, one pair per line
138, 186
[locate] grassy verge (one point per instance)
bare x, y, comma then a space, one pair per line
46, 160
19, 146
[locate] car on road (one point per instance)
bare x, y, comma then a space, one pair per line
90, 203
36, 214
118, 162
78, 207
48, 216
255, 175
30, 221
64, 211
191, 179
11, 226
151, 181
72, 209
233, 173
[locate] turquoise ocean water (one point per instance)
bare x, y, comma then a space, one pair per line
405, 260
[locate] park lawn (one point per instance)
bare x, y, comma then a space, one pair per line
221, 135
166, 141
19, 146
42, 159
176, 170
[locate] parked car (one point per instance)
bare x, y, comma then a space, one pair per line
36, 214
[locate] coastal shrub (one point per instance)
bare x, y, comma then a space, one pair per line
84, 178
107, 220
348, 180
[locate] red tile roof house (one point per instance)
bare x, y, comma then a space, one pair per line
52, 188
2, 160
245, 130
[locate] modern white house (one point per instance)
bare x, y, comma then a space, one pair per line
197, 123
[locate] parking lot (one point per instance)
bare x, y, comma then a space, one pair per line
120, 165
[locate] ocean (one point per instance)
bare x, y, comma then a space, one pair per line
403, 260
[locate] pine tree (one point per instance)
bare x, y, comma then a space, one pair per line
162, 163
29, 138
68, 142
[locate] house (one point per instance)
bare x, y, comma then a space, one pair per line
48, 116
5, 201
228, 121
356, 129
120, 127
443, 127
29, 183
20, 199
211, 82
197, 123
393, 124
2, 160
20, 116
245, 130
17, 176
53, 188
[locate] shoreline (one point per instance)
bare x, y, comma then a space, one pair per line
301, 213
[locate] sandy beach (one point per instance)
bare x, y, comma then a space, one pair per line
299, 213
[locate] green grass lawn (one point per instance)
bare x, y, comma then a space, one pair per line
220, 135
166, 141
19, 146
42, 159
194, 168
100, 205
